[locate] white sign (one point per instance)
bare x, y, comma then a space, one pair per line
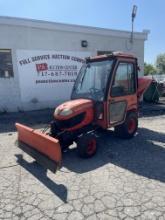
48, 75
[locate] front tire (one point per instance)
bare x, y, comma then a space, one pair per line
128, 129
86, 145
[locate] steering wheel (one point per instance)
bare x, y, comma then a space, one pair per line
94, 90
96, 93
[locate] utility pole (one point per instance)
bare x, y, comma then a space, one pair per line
134, 11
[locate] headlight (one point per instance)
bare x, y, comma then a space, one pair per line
66, 112
57, 111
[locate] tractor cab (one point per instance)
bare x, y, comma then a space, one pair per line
110, 81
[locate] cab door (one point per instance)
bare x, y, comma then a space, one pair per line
122, 95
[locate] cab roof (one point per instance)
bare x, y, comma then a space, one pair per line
111, 55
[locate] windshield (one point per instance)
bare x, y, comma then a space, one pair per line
92, 80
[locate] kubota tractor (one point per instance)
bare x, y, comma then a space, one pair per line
105, 95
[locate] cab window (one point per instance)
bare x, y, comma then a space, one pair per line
124, 80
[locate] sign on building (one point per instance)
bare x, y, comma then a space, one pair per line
48, 75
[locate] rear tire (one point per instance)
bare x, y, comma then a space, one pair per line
86, 145
128, 129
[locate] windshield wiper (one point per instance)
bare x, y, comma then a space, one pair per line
82, 80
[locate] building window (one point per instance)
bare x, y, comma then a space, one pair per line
6, 66
103, 52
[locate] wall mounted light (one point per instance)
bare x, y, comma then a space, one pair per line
84, 43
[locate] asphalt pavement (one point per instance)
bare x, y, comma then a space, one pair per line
124, 180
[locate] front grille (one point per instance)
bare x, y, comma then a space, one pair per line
71, 122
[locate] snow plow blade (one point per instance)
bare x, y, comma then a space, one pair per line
44, 149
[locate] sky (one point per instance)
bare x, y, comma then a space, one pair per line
113, 14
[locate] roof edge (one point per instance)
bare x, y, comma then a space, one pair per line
26, 22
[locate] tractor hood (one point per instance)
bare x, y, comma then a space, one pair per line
143, 84
72, 108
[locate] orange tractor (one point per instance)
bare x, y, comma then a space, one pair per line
105, 95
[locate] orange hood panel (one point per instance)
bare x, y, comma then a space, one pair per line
77, 106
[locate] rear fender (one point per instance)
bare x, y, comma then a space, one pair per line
143, 84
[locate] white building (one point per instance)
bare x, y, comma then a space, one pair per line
39, 60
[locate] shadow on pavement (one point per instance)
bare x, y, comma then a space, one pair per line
34, 119
151, 109
41, 174
143, 155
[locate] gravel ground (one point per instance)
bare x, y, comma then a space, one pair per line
125, 180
